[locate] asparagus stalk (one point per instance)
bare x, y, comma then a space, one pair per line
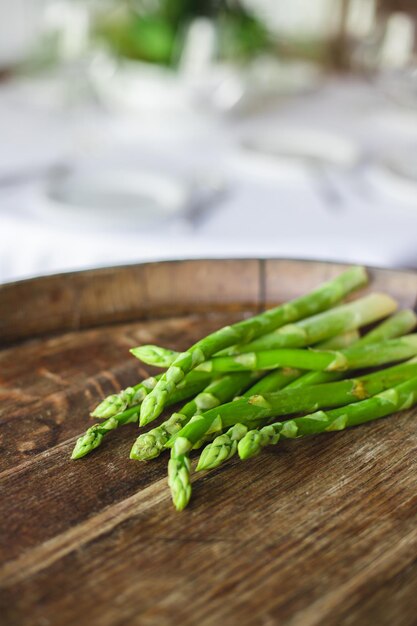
93, 437
133, 396
322, 298
399, 324
322, 360
179, 465
225, 446
339, 342
157, 356
397, 398
319, 327
149, 445
258, 409
315, 397
118, 402
283, 377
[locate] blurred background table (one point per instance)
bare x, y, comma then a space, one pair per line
106, 159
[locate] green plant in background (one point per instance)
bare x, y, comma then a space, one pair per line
154, 30
241, 35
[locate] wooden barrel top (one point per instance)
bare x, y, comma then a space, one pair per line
321, 531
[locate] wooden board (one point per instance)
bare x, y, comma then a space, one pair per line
315, 532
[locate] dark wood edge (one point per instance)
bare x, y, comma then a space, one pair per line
83, 299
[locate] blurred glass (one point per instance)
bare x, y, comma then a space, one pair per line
302, 28
20, 27
387, 52
212, 55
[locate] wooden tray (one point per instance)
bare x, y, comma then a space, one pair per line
315, 532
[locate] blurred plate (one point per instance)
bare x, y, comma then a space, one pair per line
305, 144
112, 197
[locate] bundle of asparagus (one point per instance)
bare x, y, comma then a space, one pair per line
233, 398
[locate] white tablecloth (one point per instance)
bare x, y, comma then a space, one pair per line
271, 207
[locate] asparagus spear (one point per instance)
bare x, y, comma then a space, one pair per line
319, 327
257, 409
399, 324
339, 342
179, 470
225, 445
157, 356
291, 401
298, 335
149, 445
179, 464
396, 325
133, 396
352, 358
322, 298
283, 377
93, 437
397, 398
117, 402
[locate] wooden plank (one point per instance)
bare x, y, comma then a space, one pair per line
307, 542
194, 286
317, 532
84, 299
70, 301
286, 279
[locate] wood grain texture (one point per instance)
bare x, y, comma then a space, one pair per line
320, 532
83, 299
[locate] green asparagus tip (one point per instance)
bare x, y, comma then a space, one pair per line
215, 453
204, 460
136, 352
145, 448
151, 407
208, 458
107, 408
76, 453
181, 499
154, 355
136, 452
87, 443
250, 445
179, 482
147, 410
